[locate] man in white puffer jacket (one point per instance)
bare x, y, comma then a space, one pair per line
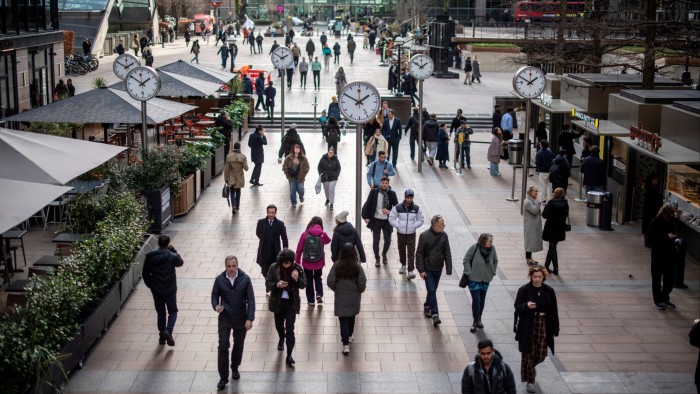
406, 219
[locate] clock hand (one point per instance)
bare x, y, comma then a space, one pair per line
144, 82
523, 78
135, 79
363, 99
347, 95
532, 80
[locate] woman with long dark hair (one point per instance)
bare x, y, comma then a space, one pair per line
347, 279
663, 232
556, 212
295, 167
311, 256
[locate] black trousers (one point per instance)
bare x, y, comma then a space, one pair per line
314, 284
393, 152
284, 323
347, 327
270, 111
336, 59
317, 79
239, 333
407, 249
261, 100
381, 226
413, 141
552, 256
662, 277
161, 301
303, 79
255, 177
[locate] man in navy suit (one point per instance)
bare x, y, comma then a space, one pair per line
270, 231
391, 129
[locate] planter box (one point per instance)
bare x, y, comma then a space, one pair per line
93, 327
206, 173
159, 208
219, 161
126, 285
150, 244
111, 304
184, 201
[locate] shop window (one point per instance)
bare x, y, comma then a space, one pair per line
8, 85
41, 75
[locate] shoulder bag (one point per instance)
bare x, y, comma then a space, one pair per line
567, 225
465, 278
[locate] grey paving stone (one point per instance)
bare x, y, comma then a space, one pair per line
302, 376
590, 377
162, 386
546, 386
597, 387
433, 382
387, 377
677, 387
344, 385
299, 386
389, 387
250, 387
85, 380
344, 376
171, 376
204, 381
455, 376
670, 377
118, 380
637, 382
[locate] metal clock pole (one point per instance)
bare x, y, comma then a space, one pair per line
144, 124
526, 155
358, 178
420, 125
282, 110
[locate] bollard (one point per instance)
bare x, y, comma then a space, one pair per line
512, 190
679, 276
580, 187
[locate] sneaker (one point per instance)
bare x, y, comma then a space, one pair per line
319, 300
350, 339
331, 207
530, 388
670, 304
436, 320
411, 275
312, 303
660, 306
426, 312
402, 270
301, 200
346, 349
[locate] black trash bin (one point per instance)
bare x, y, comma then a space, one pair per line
679, 276
606, 215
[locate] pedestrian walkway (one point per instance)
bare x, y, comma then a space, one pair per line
612, 338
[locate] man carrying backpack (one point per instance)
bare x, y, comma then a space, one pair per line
311, 257
560, 171
406, 218
488, 373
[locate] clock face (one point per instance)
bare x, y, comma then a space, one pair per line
529, 82
123, 64
421, 67
359, 101
282, 58
142, 83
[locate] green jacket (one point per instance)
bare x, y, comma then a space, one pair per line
477, 268
316, 66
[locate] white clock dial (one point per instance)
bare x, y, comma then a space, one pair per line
529, 82
359, 101
421, 67
142, 83
282, 58
123, 64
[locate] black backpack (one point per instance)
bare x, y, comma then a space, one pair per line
313, 248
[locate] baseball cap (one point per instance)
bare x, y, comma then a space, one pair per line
408, 192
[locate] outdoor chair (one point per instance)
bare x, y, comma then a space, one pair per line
19, 285
101, 190
61, 207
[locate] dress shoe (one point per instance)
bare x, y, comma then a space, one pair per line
319, 300
474, 327
161, 339
235, 375
385, 260
479, 324
234, 211
168, 338
426, 312
280, 345
376, 263
221, 385
290, 361
258, 184
327, 202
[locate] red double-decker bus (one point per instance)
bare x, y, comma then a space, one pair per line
543, 11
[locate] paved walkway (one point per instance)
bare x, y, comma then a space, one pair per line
612, 338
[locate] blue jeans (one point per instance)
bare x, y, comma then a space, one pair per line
494, 169
235, 195
295, 187
162, 301
432, 278
478, 302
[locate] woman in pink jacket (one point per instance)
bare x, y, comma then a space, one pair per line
312, 258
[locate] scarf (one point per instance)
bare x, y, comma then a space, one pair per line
485, 252
286, 275
385, 197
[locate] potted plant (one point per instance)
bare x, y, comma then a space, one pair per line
193, 158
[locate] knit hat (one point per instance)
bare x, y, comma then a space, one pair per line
342, 217
293, 126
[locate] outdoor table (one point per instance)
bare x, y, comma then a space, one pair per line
17, 286
8, 236
83, 186
69, 238
48, 261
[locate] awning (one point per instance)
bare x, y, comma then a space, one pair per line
21, 200
605, 128
103, 105
669, 153
198, 72
558, 106
41, 158
175, 85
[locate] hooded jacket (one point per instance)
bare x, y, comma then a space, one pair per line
500, 379
406, 219
291, 138
431, 128
345, 233
316, 231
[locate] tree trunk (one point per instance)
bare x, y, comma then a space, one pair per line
559, 48
649, 68
595, 57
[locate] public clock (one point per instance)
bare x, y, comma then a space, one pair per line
421, 67
282, 58
529, 82
142, 83
123, 64
359, 101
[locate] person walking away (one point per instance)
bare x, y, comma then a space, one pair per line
149, 58
348, 280
488, 373
188, 37
536, 323
247, 84
393, 75
326, 52
379, 169
593, 170
259, 41
556, 211
463, 144
252, 43
257, 155
296, 53
310, 49
352, 45
223, 122
332, 134
323, 121
195, 50
566, 142
316, 71
283, 281
507, 130
480, 266
223, 51
468, 71
409, 87
431, 130
236, 164
406, 218
495, 152
233, 52
163, 37
329, 171
476, 73
344, 233
159, 276
120, 48
372, 38
340, 80
272, 236
295, 167
653, 201
270, 93
260, 91
443, 153
663, 233
311, 256
375, 213
532, 224
232, 297
290, 75
541, 132
365, 40
496, 116
413, 125
376, 143
391, 129
334, 109
560, 171
543, 162
432, 255
303, 71
135, 44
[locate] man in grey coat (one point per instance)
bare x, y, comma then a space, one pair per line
433, 253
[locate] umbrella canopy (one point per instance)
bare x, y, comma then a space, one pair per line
175, 85
196, 71
103, 105
44, 158
21, 200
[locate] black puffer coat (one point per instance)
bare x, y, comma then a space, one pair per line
556, 211
329, 169
346, 233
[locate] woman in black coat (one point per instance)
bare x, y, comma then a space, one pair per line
556, 212
329, 171
653, 200
257, 154
663, 232
332, 133
344, 233
290, 139
536, 323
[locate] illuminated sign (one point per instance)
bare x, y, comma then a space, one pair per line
584, 117
215, 3
546, 99
646, 139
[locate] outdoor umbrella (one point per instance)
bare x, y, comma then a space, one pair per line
175, 85
103, 105
196, 71
41, 158
21, 200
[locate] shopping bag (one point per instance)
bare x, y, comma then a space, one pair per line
318, 185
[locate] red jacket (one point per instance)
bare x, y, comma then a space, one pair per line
315, 230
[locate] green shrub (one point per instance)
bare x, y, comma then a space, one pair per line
194, 156
237, 111
159, 167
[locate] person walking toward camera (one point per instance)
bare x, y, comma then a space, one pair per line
159, 276
480, 265
348, 280
329, 171
375, 213
345, 233
272, 236
663, 233
312, 257
406, 218
536, 323
556, 211
295, 168
488, 373
283, 281
380, 168
433, 253
232, 297
256, 141
236, 164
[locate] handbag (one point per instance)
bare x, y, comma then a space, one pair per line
567, 225
464, 281
318, 184
225, 193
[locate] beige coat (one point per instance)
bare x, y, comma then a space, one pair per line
382, 145
236, 163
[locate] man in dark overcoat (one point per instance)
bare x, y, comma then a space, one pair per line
257, 155
273, 237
